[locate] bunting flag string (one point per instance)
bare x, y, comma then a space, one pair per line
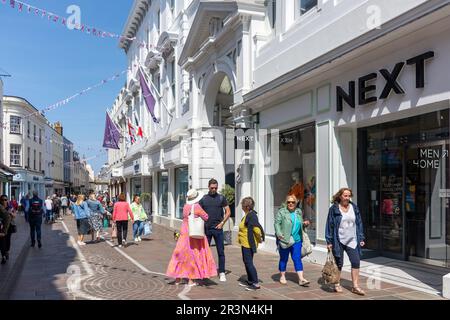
73, 163
52, 17
67, 100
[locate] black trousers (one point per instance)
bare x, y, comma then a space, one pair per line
122, 230
247, 257
5, 243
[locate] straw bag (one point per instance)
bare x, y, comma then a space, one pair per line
330, 272
196, 225
306, 244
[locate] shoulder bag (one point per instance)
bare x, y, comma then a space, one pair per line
196, 225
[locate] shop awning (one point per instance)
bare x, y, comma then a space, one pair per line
6, 173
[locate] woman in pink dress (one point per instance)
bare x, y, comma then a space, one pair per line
192, 258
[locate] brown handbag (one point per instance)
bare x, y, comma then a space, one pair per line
330, 271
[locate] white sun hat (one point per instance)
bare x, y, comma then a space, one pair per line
193, 196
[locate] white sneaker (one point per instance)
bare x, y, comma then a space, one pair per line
222, 277
139, 239
136, 239
81, 243
120, 246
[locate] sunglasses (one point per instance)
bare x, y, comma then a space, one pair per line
289, 202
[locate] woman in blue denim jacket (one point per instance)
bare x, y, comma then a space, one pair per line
344, 232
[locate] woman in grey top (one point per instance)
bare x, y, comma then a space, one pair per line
344, 232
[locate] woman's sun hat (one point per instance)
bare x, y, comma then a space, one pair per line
193, 196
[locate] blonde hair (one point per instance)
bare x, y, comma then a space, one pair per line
291, 196
80, 199
337, 196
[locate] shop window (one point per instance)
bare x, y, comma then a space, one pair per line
296, 175
163, 193
182, 186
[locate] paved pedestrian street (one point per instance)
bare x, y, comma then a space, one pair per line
62, 270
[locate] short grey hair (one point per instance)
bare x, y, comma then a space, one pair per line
248, 202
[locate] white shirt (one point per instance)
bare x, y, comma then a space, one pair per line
347, 228
48, 204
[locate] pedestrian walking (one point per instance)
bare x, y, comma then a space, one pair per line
121, 213
48, 210
214, 204
96, 216
81, 211
288, 229
192, 258
25, 204
14, 203
64, 204
6, 230
35, 219
139, 218
344, 232
250, 235
56, 207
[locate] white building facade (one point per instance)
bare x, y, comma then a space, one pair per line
24, 145
326, 94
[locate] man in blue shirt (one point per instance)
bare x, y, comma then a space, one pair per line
214, 205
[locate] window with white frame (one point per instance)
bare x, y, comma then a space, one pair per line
40, 136
28, 129
28, 157
34, 159
40, 161
272, 12
306, 5
172, 6
172, 81
34, 133
15, 124
158, 21
15, 150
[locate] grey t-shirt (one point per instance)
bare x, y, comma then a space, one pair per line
347, 228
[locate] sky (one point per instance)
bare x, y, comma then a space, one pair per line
49, 63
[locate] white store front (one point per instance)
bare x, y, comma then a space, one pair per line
375, 119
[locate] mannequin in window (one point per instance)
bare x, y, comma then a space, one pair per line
298, 190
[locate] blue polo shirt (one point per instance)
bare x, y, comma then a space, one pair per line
213, 205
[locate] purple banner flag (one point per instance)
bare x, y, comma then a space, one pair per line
112, 135
148, 97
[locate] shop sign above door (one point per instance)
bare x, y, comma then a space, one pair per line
367, 93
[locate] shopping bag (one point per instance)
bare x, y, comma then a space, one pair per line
330, 272
147, 228
105, 223
196, 226
114, 230
306, 244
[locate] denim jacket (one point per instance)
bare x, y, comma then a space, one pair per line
332, 228
81, 211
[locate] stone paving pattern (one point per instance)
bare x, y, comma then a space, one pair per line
48, 273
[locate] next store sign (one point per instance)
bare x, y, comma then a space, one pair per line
367, 93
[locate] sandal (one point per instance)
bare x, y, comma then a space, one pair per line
304, 283
283, 280
358, 291
338, 288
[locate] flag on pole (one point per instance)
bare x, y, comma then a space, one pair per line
112, 134
131, 131
148, 97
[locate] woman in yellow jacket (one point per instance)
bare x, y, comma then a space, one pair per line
250, 235
139, 218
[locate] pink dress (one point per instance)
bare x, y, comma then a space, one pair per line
192, 258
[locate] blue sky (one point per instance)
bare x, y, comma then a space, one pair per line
48, 63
